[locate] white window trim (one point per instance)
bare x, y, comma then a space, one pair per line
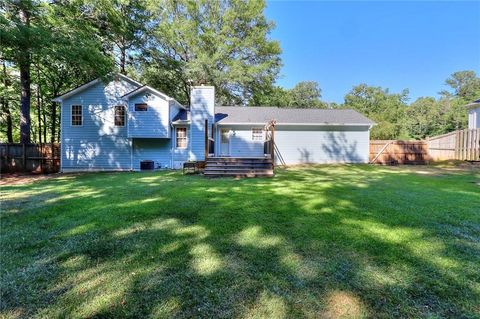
71, 115
124, 116
262, 138
186, 138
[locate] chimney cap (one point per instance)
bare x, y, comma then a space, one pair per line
203, 86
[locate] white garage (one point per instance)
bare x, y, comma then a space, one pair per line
301, 135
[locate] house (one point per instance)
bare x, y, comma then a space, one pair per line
474, 114
120, 124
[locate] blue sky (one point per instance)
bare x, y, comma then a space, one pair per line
396, 45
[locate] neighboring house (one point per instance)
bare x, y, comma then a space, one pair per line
474, 114
118, 123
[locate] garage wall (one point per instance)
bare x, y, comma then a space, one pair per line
323, 144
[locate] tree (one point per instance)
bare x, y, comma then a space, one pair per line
64, 52
465, 85
221, 42
121, 25
8, 88
21, 35
383, 107
72, 56
423, 118
306, 94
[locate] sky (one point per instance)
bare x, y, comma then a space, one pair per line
396, 45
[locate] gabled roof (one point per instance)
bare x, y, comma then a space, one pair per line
288, 116
473, 105
144, 88
82, 87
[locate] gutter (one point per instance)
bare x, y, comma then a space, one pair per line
297, 124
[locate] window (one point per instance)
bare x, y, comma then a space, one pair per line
119, 115
257, 134
76, 115
141, 107
181, 137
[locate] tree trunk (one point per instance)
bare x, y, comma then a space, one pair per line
53, 122
59, 128
39, 108
24, 65
6, 107
25, 102
123, 60
44, 124
9, 122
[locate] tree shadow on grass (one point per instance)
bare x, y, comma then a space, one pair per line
312, 242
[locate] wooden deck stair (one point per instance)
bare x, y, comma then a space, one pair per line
239, 167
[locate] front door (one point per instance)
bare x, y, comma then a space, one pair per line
225, 142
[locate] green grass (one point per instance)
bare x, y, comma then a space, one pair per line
346, 241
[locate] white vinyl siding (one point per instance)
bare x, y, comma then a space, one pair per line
151, 121
474, 118
306, 144
99, 144
323, 144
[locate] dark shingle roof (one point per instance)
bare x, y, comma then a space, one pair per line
182, 115
260, 114
473, 105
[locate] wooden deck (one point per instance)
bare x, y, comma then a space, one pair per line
239, 167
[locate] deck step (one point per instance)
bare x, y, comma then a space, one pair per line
240, 170
231, 174
255, 165
239, 167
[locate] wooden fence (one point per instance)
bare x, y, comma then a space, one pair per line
32, 158
461, 145
394, 152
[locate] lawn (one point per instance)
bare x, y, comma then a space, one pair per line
347, 241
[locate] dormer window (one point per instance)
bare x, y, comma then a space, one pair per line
141, 107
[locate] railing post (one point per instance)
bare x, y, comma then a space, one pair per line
273, 147
206, 139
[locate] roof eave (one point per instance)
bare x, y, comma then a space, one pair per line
302, 124
60, 98
146, 87
473, 105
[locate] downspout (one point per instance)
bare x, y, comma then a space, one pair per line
171, 146
131, 154
170, 133
61, 137
128, 133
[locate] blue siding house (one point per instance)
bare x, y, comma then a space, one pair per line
118, 123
